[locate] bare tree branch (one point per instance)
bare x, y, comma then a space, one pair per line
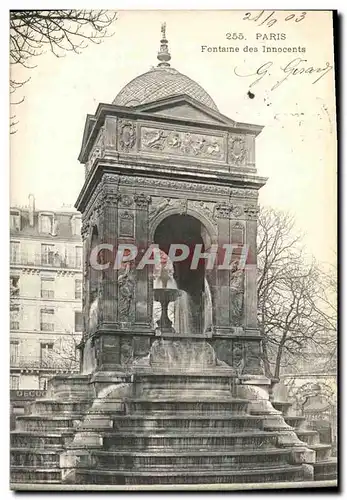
297, 316
33, 32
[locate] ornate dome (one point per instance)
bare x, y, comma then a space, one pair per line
160, 82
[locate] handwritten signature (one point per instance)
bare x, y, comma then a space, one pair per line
293, 68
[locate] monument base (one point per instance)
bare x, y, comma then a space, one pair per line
178, 417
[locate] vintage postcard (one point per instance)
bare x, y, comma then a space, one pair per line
173, 250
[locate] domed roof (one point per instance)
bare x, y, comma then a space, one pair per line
160, 82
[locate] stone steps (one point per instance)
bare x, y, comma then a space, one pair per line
29, 474
48, 422
296, 421
182, 440
40, 440
230, 459
146, 405
203, 476
53, 406
308, 436
323, 451
326, 470
189, 422
36, 457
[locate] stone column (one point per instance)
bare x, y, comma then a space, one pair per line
143, 311
222, 276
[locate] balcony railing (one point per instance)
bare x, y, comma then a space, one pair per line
46, 260
14, 325
47, 294
37, 363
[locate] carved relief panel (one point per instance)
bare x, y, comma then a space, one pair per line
182, 143
126, 135
237, 150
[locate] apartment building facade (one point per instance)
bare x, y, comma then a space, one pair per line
45, 294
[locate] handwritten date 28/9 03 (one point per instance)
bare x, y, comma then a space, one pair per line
267, 18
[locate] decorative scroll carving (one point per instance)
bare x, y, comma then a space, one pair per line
108, 198
177, 185
127, 135
204, 208
126, 224
98, 150
236, 294
182, 205
237, 151
126, 291
158, 205
244, 193
182, 143
110, 179
251, 211
223, 211
125, 200
142, 201
237, 211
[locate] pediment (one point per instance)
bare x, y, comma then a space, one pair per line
185, 108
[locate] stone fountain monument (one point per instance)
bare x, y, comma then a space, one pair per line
179, 396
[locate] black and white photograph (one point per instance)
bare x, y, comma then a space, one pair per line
173, 250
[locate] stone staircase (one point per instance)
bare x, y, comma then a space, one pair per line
325, 466
163, 426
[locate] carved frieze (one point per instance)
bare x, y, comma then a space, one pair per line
142, 201
237, 150
243, 193
237, 211
176, 185
159, 204
251, 211
203, 207
182, 143
223, 211
126, 135
125, 200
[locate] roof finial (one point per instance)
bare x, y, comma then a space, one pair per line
163, 54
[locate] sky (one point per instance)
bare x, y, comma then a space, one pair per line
296, 149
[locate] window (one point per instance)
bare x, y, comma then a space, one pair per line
78, 321
46, 223
14, 252
14, 352
78, 289
76, 224
47, 254
47, 288
78, 255
46, 353
15, 220
14, 317
14, 286
14, 382
47, 320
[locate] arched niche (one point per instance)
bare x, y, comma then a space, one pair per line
177, 228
